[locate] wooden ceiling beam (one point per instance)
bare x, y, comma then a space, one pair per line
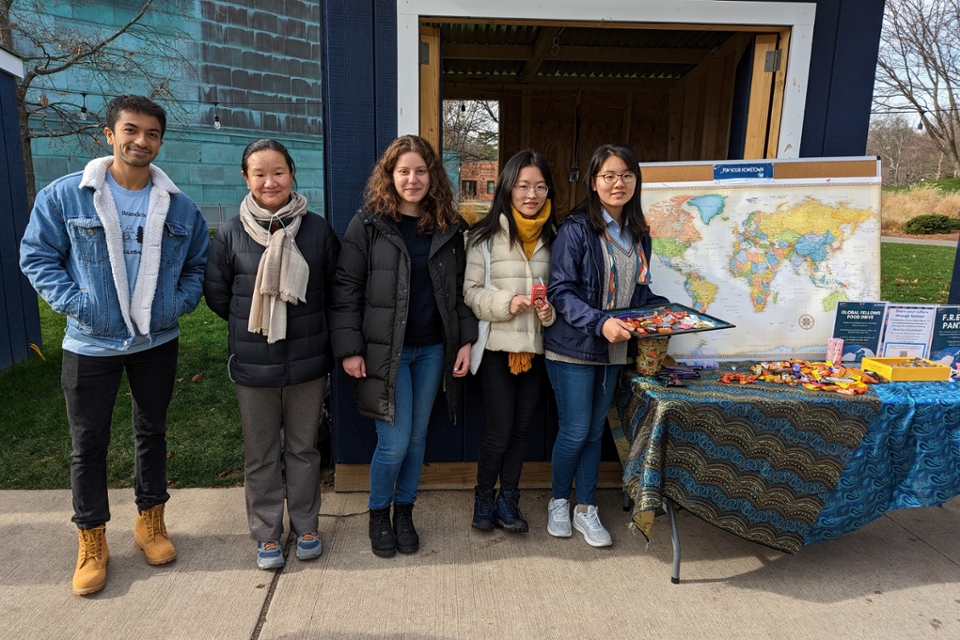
544, 42
570, 53
452, 85
458, 51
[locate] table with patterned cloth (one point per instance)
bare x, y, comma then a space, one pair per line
786, 466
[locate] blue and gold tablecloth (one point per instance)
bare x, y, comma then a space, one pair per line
786, 466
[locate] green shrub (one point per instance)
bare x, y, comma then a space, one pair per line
931, 223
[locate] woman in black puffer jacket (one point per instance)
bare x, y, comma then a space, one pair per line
269, 275
400, 324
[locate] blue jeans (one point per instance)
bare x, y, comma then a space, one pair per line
584, 394
395, 468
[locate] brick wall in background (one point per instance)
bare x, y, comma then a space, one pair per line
260, 61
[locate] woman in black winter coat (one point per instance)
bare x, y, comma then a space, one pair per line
400, 324
269, 275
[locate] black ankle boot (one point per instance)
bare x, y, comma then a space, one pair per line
383, 542
484, 509
407, 539
508, 512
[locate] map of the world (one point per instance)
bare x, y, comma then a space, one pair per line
771, 258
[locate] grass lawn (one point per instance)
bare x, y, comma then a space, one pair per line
205, 447
915, 273
204, 440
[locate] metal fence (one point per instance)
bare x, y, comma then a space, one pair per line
217, 213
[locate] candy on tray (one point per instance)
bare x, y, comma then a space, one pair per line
667, 319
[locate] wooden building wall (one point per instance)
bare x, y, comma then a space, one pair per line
689, 121
19, 315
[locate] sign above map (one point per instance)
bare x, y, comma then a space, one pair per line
741, 171
773, 256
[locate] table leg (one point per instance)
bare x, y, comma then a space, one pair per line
675, 576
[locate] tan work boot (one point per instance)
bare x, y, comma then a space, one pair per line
92, 559
150, 536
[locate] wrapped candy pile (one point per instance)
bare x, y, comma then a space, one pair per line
818, 376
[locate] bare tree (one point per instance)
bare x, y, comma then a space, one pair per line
907, 155
471, 127
919, 63
61, 58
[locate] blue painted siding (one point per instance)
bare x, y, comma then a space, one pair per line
19, 313
846, 39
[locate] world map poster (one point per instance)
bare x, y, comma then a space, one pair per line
772, 257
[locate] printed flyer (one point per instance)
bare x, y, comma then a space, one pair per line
860, 326
945, 341
907, 329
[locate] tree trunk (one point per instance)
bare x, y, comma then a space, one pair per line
25, 143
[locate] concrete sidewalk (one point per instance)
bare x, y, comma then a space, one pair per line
898, 577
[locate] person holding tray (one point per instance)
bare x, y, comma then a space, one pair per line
600, 261
508, 260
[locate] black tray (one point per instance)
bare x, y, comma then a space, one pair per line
622, 314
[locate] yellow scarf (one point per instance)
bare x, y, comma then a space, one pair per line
528, 229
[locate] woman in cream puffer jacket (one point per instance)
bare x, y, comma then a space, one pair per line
513, 242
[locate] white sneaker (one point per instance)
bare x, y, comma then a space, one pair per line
558, 518
589, 525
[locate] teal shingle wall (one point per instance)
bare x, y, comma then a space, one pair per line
261, 66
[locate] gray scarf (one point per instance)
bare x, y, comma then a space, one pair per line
283, 272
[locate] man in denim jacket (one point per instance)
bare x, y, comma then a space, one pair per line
121, 252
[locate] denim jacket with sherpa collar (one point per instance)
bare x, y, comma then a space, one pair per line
73, 256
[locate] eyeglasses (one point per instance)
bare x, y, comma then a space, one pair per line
540, 189
628, 177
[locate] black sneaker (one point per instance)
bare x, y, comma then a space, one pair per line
484, 509
407, 539
383, 542
508, 512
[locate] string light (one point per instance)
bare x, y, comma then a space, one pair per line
216, 117
83, 109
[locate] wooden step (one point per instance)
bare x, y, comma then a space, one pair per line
463, 475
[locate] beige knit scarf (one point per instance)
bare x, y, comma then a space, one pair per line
283, 272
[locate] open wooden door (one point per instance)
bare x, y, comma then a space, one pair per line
766, 95
430, 90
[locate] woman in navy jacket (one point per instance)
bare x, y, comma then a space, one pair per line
600, 261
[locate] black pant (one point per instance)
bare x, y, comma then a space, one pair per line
511, 402
90, 385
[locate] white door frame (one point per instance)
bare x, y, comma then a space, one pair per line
799, 17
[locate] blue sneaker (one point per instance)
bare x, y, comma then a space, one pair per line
269, 555
309, 546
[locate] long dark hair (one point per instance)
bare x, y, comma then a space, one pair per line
489, 225
380, 196
632, 217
